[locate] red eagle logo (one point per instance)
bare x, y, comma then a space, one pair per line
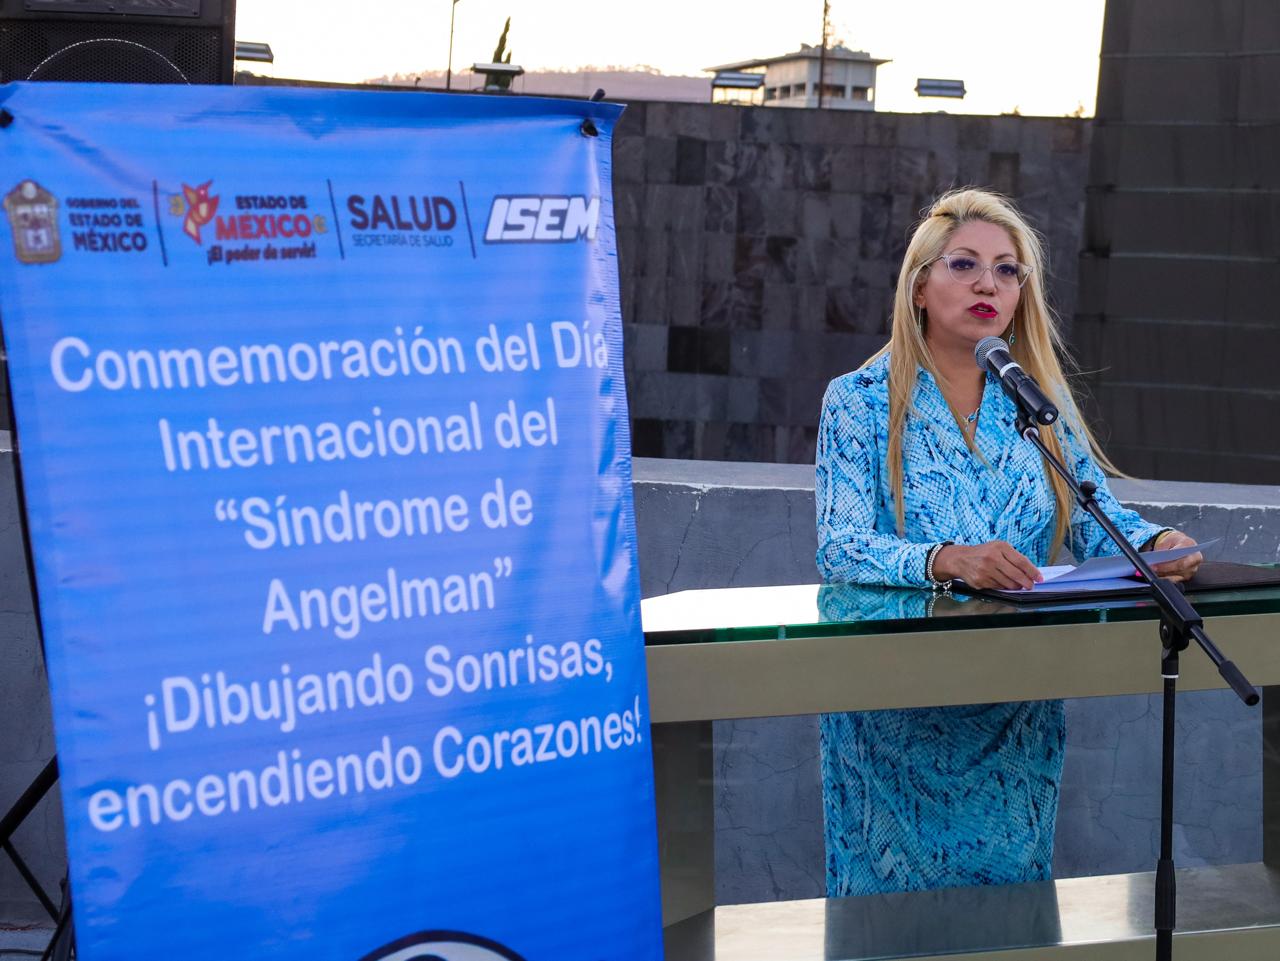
200, 209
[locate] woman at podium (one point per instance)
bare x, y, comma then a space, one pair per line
922, 478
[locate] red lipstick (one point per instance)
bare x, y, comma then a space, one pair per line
983, 311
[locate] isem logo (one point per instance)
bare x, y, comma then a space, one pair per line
443, 946
532, 220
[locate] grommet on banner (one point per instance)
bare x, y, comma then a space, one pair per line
6, 118
588, 126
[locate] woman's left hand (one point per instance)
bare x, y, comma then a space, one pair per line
1184, 568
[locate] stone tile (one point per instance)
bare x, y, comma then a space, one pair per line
743, 400
847, 309
748, 441
645, 346
882, 129
672, 207
691, 161
815, 214
911, 130
654, 253
1067, 135
1036, 135
1005, 132
651, 300
772, 211
877, 171
678, 439
646, 437
772, 399
671, 119
973, 168
721, 208
766, 125
711, 440
846, 215
711, 396
682, 350
738, 305
779, 308
684, 256
659, 160
810, 307
684, 304
628, 160
631, 123
718, 256
847, 168
724, 123
628, 206
780, 259
974, 133
876, 225
783, 166
750, 164
1002, 172
750, 258
911, 173
722, 161
811, 261
760, 353
815, 167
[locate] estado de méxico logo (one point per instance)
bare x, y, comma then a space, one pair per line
443, 946
33, 217
248, 227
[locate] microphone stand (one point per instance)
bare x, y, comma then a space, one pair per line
1179, 624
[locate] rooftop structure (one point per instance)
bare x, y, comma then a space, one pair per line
842, 80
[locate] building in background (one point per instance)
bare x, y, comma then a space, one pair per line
843, 79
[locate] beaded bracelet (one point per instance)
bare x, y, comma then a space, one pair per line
928, 567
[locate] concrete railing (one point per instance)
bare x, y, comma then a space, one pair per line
716, 524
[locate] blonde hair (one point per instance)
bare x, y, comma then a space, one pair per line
1038, 346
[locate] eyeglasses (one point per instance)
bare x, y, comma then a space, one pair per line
964, 269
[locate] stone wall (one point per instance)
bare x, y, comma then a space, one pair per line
759, 250
1177, 316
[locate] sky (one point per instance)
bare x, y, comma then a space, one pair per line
1038, 56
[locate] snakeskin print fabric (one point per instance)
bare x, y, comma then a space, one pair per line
940, 797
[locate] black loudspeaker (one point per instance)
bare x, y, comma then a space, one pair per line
118, 41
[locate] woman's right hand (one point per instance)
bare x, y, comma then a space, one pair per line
994, 565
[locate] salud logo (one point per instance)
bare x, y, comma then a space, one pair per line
196, 208
33, 217
443, 946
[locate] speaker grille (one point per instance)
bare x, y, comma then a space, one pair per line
25, 44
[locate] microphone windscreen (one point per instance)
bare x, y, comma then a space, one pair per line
985, 347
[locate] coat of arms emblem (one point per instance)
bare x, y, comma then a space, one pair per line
33, 215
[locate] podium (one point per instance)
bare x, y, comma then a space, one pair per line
777, 651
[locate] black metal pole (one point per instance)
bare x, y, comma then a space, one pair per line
448, 73
822, 55
29, 799
1179, 623
1166, 887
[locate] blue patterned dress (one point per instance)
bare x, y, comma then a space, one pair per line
940, 797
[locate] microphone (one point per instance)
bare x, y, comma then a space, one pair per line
992, 354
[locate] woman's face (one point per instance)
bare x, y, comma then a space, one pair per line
962, 312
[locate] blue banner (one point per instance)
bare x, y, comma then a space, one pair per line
325, 457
